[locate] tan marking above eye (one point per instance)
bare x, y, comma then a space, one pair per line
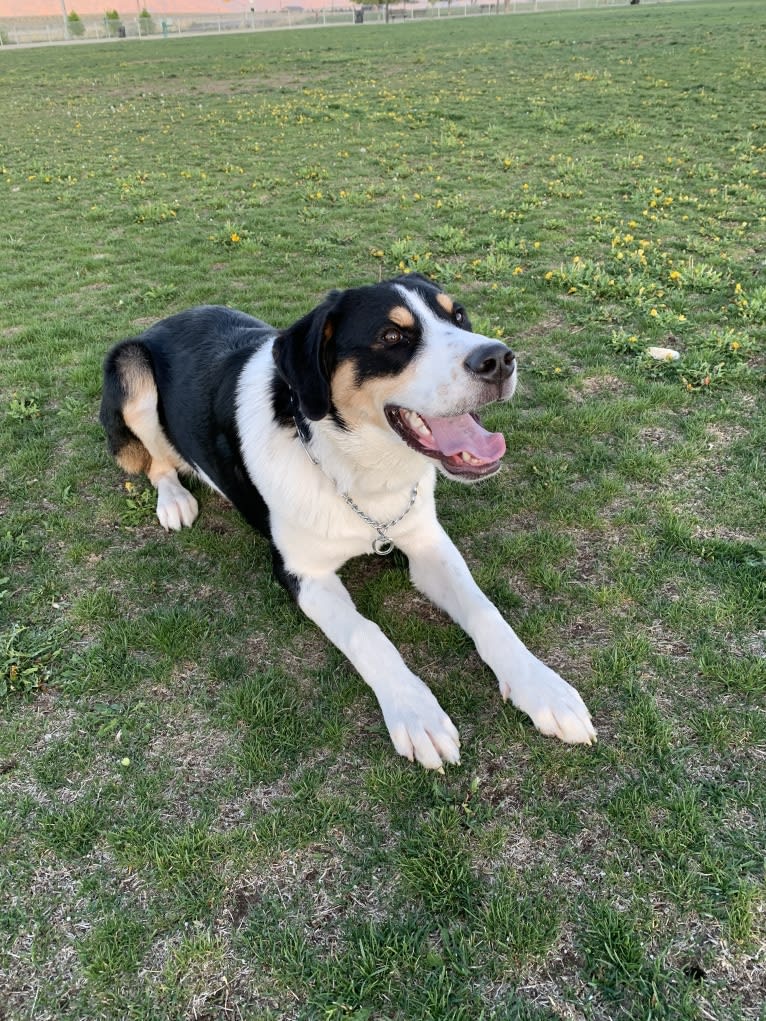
402, 317
446, 303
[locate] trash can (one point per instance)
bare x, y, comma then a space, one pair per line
359, 16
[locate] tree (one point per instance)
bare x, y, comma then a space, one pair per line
113, 23
74, 25
146, 23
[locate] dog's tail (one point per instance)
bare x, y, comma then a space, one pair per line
128, 374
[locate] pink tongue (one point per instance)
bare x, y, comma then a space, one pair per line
463, 433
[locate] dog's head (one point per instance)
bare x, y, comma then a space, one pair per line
401, 356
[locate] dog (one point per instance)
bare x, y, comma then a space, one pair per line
327, 437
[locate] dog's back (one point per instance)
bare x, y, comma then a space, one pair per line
189, 360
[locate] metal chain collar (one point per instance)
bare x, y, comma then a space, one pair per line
383, 544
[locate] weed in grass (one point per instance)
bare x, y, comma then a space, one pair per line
21, 408
13, 545
139, 506
27, 658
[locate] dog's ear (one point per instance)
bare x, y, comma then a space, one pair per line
304, 354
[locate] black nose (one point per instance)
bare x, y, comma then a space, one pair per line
492, 362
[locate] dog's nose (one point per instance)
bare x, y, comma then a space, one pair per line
491, 362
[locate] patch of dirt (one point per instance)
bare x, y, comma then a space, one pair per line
594, 386
657, 436
721, 435
755, 644
549, 323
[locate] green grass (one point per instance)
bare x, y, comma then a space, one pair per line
200, 811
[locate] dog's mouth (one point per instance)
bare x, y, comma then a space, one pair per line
461, 444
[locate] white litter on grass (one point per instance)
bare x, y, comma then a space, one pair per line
663, 354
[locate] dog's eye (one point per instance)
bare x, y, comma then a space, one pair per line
391, 335
459, 316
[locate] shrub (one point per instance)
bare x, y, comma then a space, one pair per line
146, 23
113, 23
74, 25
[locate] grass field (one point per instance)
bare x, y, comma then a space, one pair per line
200, 810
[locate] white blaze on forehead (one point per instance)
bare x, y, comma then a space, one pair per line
441, 384
428, 319
437, 329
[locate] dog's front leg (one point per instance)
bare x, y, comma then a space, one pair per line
419, 727
555, 707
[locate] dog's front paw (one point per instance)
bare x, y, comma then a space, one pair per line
420, 729
176, 506
554, 706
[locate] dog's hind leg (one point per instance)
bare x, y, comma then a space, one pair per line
137, 438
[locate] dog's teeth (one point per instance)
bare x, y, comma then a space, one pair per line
469, 458
416, 423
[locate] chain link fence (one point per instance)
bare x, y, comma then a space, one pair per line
22, 30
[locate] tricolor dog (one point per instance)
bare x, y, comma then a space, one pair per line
327, 437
